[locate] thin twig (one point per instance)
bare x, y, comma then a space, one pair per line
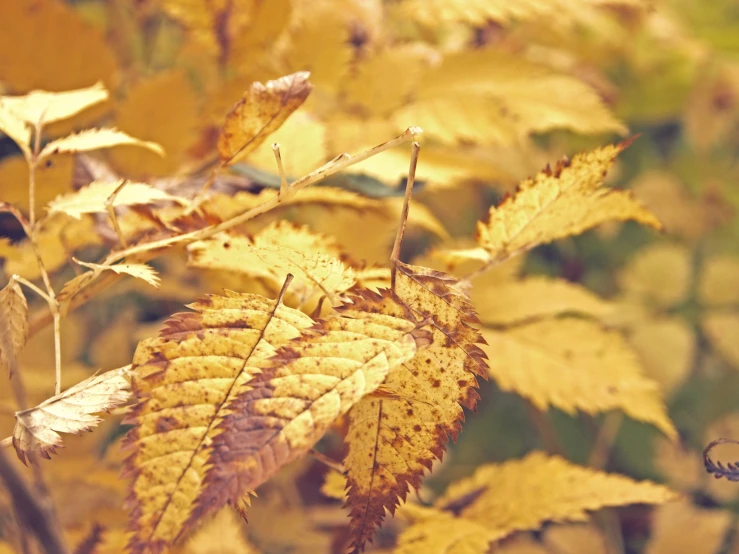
604, 440
325, 460
280, 169
109, 205
395, 255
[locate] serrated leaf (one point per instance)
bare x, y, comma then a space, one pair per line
303, 389
140, 271
91, 199
545, 488
186, 381
260, 112
13, 324
40, 106
277, 250
95, 139
393, 440
534, 298
558, 203
575, 364
73, 411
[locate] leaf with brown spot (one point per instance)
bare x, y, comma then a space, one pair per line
186, 382
299, 393
259, 113
73, 411
13, 324
395, 438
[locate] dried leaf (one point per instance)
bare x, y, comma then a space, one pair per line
91, 199
303, 389
13, 324
261, 112
575, 364
40, 106
546, 488
140, 271
95, 139
393, 440
534, 298
73, 411
558, 203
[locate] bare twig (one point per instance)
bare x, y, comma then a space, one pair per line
109, 205
395, 255
280, 169
325, 460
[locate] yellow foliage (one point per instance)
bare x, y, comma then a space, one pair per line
222, 535
95, 139
41, 107
717, 285
574, 364
660, 274
13, 325
53, 177
706, 529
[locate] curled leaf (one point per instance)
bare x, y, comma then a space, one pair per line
13, 324
73, 411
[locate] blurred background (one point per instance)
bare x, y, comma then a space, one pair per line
501, 88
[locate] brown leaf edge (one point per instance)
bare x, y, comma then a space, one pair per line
729, 471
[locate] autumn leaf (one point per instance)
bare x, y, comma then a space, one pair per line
13, 324
13, 125
140, 271
186, 381
393, 440
42, 107
303, 389
545, 488
221, 535
574, 364
91, 199
95, 139
558, 203
279, 249
260, 112
73, 411
445, 534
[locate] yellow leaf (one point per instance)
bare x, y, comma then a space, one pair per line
718, 280
446, 534
37, 50
682, 528
267, 21
334, 485
222, 535
13, 325
280, 249
545, 488
73, 411
140, 271
575, 539
259, 113
558, 203
725, 426
53, 177
667, 350
42, 107
95, 139
721, 329
533, 298
91, 199
303, 389
680, 466
318, 42
161, 109
394, 439
185, 381
574, 364
13, 125
499, 98
660, 274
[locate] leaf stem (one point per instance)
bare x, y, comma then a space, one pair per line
605, 438
395, 255
109, 206
547, 432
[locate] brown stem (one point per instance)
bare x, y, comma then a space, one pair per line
395, 255
33, 512
546, 430
604, 440
109, 205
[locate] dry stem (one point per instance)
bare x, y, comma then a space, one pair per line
395, 255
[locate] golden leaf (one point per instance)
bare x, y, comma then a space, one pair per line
303, 389
268, 20
186, 381
140, 271
53, 177
44, 107
660, 274
281, 248
575, 364
91, 199
393, 440
161, 109
259, 113
95, 139
56, 62
13, 324
721, 329
546, 488
13, 125
222, 535
558, 203
718, 280
73, 411
534, 298
334, 485
446, 534
682, 528
504, 98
